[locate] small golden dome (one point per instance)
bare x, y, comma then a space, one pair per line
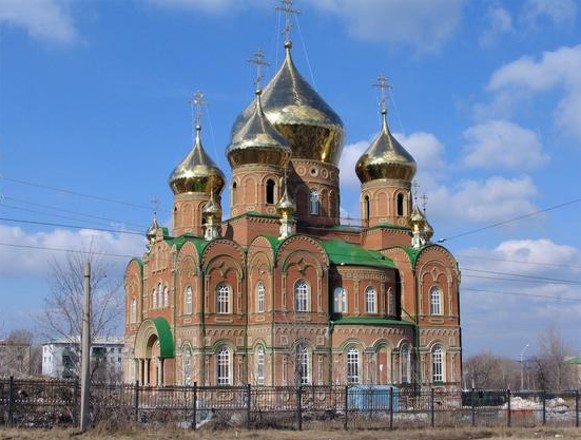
197, 172
385, 158
311, 128
428, 231
286, 205
417, 218
257, 141
151, 232
212, 208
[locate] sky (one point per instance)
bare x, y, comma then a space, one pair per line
486, 95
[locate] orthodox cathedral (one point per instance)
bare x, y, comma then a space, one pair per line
281, 293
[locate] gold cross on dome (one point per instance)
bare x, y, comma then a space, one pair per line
197, 101
286, 6
424, 198
258, 60
382, 84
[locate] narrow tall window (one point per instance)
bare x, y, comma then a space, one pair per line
260, 365
302, 365
437, 364
366, 208
223, 364
187, 365
405, 364
301, 296
159, 296
189, 301
234, 187
370, 300
400, 204
270, 191
133, 311
436, 301
223, 298
260, 293
166, 296
314, 203
352, 365
154, 299
340, 300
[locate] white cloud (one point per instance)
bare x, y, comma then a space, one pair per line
425, 24
499, 22
29, 254
44, 19
559, 12
503, 144
207, 6
527, 77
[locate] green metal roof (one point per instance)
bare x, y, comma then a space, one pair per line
198, 242
575, 360
342, 253
413, 253
389, 226
364, 320
166, 345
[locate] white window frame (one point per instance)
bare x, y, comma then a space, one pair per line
405, 364
154, 298
260, 357
189, 300
302, 364
371, 300
353, 366
166, 296
436, 301
340, 300
223, 366
223, 298
133, 311
314, 203
302, 293
438, 367
187, 365
260, 297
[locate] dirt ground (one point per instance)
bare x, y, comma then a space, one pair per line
168, 434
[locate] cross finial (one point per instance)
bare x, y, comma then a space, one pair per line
416, 187
382, 84
424, 198
197, 101
154, 205
258, 60
286, 6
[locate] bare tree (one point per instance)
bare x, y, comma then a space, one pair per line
490, 371
62, 316
553, 373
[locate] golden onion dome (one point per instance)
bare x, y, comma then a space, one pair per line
385, 158
151, 232
417, 218
286, 205
212, 208
428, 231
311, 128
197, 172
258, 142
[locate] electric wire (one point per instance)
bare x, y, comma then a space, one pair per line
531, 295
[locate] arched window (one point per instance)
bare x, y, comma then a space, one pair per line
301, 296
154, 299
366, 208
391, 301
340, 300
260, 293
187, 365
133, 311
223, 292
189, 301
436, 301
223, 366
270, 191
302, 365
314, 203
400, 204
370, 300
234, 187
260, 365
159, 296
405, 364
352, 365
437, 364
166, 296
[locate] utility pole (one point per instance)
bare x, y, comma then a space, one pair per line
86, 350
522, 368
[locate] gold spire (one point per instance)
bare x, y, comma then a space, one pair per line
257, 141
385, 158
286, 206
311, 128
286, 6
197, 172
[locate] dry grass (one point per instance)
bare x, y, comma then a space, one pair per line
133, 433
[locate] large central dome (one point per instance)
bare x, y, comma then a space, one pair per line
311, 128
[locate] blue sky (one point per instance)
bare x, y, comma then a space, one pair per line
94, 116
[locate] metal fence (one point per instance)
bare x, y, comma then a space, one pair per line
43, 404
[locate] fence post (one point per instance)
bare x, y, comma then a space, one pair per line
432, 403
508, 421
299, 408
11, 401
544, 407
136, 401
391, 407
75, 411
248, 408
577, 408
473, 407
195, 408
346, 407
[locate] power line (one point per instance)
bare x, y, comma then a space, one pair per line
514, 219
525, 276
46, 248
61, 225
532, 295
532, 263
